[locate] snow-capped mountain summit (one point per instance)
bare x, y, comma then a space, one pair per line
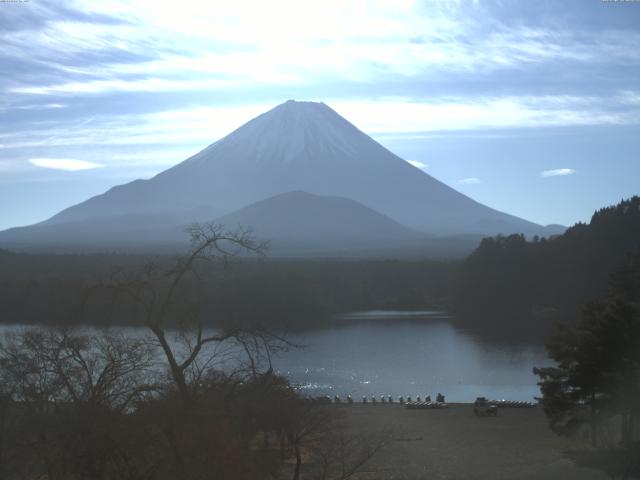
302, 146
292, 132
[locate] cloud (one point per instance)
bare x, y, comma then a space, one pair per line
304, 60
213, 66
68, 164
470, 181
186, 129
406, 115
41, 106
557, 172
396, 117
141, 46
418, 164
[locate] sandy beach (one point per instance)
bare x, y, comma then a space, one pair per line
454, 444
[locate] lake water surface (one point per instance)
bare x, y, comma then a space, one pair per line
410, 353
404, 353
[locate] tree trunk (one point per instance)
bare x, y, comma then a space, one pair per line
176, 372
169, 431
296, 473
625, 436
593, 423
283, 440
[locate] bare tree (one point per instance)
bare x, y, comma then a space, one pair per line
309, 425
322, 440
48, 366
69, 392
341, 455
170, 298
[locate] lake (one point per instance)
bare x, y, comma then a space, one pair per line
410, 353
405, 353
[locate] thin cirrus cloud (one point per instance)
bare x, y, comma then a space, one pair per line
66, 164
484, 112
470, 181
196, 127
418, 164
221, 45
170, 52
557, 172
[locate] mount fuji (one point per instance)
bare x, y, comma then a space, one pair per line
302, 149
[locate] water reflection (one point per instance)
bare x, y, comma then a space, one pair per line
415, 353
398, 353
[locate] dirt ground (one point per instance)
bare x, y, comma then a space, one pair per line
455, 444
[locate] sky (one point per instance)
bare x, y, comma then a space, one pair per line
532, 108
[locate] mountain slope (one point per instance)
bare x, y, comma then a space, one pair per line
320, 220
295, 222
302, 146
111, 230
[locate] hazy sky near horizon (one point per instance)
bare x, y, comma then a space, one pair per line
532, 108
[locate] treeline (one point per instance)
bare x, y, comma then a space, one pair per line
51, 288
512, 285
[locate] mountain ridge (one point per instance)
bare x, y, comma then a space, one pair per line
301, 146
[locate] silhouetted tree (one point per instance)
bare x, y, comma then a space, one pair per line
598, 371
597, 377
170, 298
67, 394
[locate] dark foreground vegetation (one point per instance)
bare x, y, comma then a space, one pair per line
180, 401
106, 406
517, 287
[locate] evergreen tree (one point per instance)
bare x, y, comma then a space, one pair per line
597, 377
597, 373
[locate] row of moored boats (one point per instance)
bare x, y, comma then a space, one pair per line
408, 402
425, 405
511, 404
382, 399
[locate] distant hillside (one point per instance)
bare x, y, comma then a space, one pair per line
320, 221
511, 284
296, 225
125, 231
